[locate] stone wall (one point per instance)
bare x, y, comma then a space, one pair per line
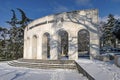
117, 60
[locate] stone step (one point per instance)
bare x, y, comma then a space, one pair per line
47, 61
43, 65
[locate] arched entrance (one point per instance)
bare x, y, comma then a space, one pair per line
63, 40
46, 46
34, 47
83, 43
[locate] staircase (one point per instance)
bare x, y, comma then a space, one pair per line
44, 64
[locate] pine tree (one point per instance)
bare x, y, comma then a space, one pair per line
3, 42
116, 29
109, 38
16, 34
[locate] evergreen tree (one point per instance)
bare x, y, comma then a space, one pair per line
3, 42
109, 38
16, 34
116, 29
101, 33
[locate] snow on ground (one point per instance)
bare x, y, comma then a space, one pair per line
97, 69
19, 73
100, 70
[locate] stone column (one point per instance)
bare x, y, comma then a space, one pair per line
29, 46
34, 46
54, 47
25, 47
94, 46
39, 48
73, 48
25, 56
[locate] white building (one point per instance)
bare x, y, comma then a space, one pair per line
38, 32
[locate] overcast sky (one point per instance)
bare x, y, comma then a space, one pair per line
38, 8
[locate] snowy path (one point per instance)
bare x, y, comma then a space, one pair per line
100, 70
15, 73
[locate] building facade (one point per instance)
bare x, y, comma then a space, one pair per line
46, 31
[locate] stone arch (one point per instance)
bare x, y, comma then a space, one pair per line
34, 47
83, 42
63, 43
46, 45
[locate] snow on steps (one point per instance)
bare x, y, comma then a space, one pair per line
92, 69
44, 64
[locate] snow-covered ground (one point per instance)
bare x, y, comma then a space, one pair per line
97, 69
19, 73
100, 70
